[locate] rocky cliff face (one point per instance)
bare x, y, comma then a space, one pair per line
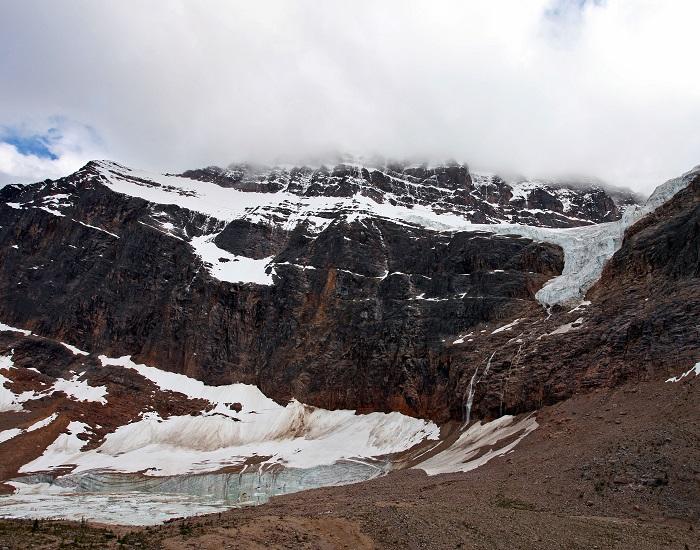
639, 322
351, 287
479, 198
356, 317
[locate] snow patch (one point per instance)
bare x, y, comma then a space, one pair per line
250, 397
75, 350
42, 423
229, 267
695, 369
4, 327
581, 306
6, 435
10, 401
14, 432
509, 326
51, 211
479, 444
80, 390
568, 327
460, 340
98, 229
74, 388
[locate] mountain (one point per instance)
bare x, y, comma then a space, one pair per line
450, 188
259, 307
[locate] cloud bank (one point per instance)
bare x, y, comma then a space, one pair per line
540, 87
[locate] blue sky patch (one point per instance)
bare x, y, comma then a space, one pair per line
559, 8
36, 144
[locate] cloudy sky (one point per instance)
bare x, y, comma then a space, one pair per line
608, 89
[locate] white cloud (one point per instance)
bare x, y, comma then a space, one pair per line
609, 90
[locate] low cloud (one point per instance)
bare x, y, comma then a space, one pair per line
543, 88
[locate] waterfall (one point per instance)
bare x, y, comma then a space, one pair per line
513, 363
488, 365
470, 399
472, 389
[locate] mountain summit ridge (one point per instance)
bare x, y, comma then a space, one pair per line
450, 187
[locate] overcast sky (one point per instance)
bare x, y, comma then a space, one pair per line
609, 89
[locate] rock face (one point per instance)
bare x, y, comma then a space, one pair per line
640, 321
479, 198
342, 287
357, 316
